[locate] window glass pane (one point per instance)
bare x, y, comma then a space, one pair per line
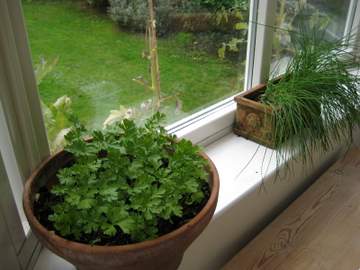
332, 13
95, 56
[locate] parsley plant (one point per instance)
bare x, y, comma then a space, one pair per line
126, 181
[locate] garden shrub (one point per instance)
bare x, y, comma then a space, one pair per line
202, 22
98, 3
134, 13
221, 4
174, 15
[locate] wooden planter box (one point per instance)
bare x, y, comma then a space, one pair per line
253, 119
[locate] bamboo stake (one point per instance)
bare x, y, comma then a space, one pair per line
154, 60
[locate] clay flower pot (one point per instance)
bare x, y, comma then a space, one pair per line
253, 119
162, 253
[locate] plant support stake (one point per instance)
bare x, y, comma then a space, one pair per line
154, 60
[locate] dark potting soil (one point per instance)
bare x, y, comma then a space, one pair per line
46, 200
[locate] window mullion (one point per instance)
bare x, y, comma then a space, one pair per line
19, 95
251, 43
9, 209
21, 116
264, 23
8, 256
29, 80
350, 26
355, 27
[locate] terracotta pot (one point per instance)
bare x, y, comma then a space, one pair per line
162, 253
253, 120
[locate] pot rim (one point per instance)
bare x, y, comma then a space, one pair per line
87, 248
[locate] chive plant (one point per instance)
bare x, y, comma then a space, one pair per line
316, 102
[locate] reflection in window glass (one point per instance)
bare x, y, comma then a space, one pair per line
333, 14
92, 58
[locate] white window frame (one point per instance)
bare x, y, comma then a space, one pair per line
22, 131
19, 95
9, 209
216, 121
26, 247
353, 18
23, 118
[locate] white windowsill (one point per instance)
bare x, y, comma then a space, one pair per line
249, 201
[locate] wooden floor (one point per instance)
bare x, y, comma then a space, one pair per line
319, 231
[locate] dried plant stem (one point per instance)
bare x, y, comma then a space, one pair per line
154, 59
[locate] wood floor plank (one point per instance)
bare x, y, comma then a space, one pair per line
320, 230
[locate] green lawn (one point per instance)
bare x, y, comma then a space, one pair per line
97, 62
